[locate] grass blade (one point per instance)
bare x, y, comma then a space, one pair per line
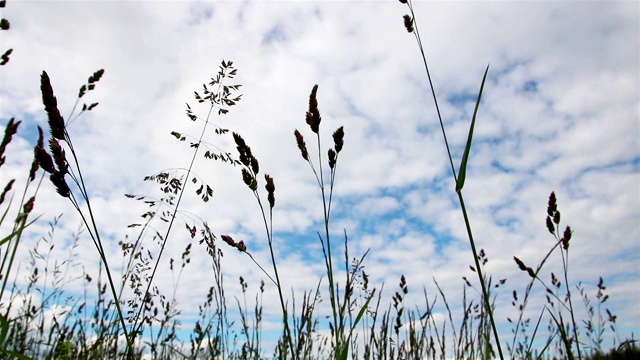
463, 165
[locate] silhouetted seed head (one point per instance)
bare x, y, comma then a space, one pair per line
241, 246
254, 165
556, 217
246, 158
521, 265
313, 115
313, 102
28, 206
96, 76
40, 157
271, 189
82, 91
10, 130
553, 206
58, 156
7, 188
531, 273
56, 122
301, 145
566, 237
550, 226
58, 181
247, 177
338, 138
228, 239
408, 23
239, 141
332, 158
403, 1
5, 57
44, 159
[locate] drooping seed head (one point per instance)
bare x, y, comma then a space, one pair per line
57, 179
550, 225
10, 130
408, 23
301, 145
254, 165
59, 157
249, 180
41, 158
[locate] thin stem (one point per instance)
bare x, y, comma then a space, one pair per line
485, 293
95, 235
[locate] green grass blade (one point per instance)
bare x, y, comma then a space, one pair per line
462, 173
4, 329
344, 351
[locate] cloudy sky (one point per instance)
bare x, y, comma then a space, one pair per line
560, 113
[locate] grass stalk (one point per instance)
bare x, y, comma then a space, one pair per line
412, 26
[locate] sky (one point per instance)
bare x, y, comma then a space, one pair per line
560, 112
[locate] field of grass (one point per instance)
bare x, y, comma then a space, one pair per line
107, 322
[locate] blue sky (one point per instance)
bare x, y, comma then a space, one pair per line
560, 113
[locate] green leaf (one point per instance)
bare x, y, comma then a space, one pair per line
4, 329
462, 173
344, 351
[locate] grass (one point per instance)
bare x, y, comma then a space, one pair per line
127, 316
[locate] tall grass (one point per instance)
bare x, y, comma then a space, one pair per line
128, 316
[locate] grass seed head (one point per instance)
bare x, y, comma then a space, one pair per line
301, 145
57, 178
550, 225
566, 237
553, 206
332, 158
338, 139
408, 23
56, 122
9, 131
58, 156
271, 189
313, 115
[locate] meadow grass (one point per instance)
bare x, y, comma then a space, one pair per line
128, 317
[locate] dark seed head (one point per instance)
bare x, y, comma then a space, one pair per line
56, 122
408, 23
338, 139
301, 145
271, 189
